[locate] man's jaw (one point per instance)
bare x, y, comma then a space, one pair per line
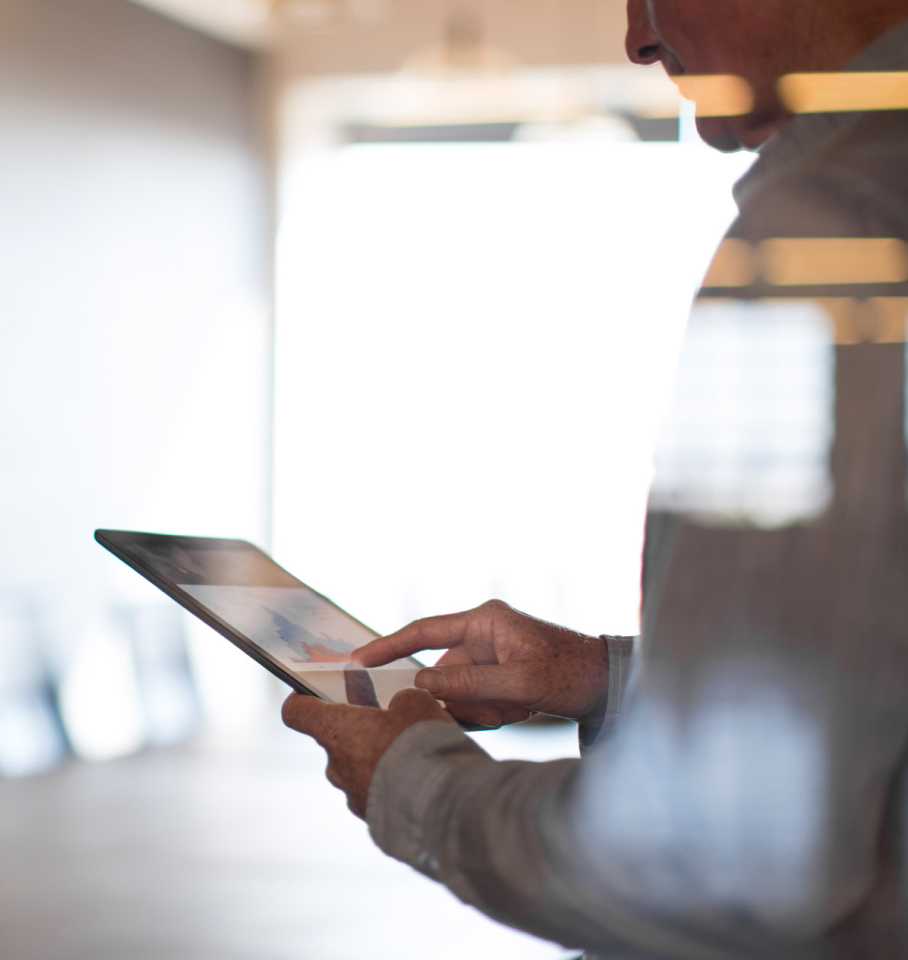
717, 132
750, 132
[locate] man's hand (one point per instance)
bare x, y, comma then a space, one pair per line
501, 665
356, 737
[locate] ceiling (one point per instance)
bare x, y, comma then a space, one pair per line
353, 36
242, 22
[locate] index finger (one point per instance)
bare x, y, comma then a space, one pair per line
431, 633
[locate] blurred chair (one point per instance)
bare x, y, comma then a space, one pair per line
32, 734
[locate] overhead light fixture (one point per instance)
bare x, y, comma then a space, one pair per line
462, 52
317, 15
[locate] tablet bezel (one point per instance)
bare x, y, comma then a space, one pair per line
118, 542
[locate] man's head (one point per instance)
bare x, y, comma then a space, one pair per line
759, 40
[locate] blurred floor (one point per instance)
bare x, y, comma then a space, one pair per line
235, 853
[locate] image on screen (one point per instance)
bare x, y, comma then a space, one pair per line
309, 637
294, 625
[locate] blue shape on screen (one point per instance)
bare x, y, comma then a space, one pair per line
309, 645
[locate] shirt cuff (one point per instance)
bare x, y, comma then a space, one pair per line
415, 770
621, 658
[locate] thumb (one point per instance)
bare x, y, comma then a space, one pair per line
304, 713
492, 681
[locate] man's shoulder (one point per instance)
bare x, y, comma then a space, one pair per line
852, 185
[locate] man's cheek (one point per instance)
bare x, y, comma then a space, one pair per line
670, 18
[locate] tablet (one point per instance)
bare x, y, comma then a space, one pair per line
286, 626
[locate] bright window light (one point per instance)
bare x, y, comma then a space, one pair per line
475, 345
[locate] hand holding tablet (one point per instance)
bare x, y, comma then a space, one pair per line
355, 740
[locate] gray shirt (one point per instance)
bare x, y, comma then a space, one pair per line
746, 795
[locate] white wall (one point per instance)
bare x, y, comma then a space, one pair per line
134, 311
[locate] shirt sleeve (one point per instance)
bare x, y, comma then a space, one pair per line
441, 804
737, 811
622, 659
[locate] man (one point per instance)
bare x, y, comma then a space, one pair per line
748, 796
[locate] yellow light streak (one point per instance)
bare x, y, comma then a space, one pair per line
734, 265
875, 320
719, 95
833, 262
844, 92
892, 318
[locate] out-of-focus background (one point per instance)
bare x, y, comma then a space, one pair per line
393, 288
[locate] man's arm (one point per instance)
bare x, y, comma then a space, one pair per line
738, 809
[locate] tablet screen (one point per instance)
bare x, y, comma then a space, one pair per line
289, 624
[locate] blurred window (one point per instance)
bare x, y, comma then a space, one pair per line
750, 428
475, 344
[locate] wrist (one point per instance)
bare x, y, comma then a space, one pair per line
602, 718
594, 712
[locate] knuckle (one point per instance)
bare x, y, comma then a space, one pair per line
497, 607
460, 683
